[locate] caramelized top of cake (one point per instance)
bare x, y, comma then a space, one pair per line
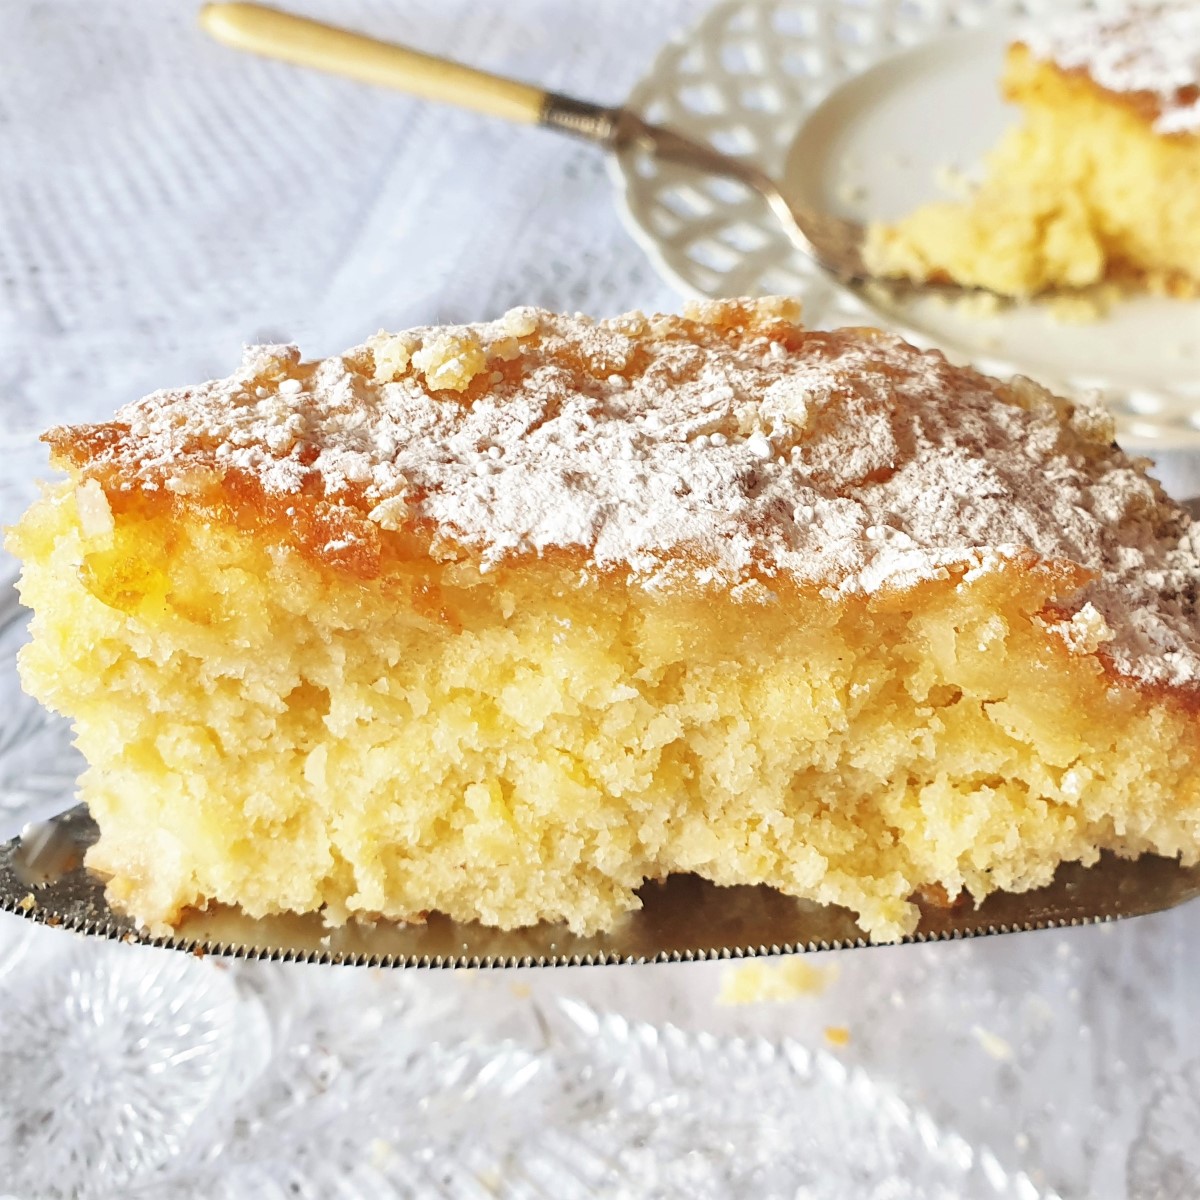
725, 448
1146, 55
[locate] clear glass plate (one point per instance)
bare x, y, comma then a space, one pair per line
134, 1072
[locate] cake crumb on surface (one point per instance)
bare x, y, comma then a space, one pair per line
992, 1044
450, 361
773, 981
392, 353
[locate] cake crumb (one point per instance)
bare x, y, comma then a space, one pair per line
953, 180
979, 305
449, 361
851, 192
992, 1044
762, 981
27, 902
1085, 632
520, 322
390, 513
95, 515
1077, 308
837, 1035
392, 353
267, 361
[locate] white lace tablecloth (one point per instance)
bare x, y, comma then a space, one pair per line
163, 200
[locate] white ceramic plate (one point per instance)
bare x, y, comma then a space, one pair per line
856, 106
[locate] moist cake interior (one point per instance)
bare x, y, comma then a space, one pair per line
519, 746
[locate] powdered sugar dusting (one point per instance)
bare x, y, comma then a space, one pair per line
735, 448
1150, 49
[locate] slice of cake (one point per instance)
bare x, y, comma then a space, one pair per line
504, 620
1101, 181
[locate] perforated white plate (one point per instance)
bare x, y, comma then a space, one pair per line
856, 106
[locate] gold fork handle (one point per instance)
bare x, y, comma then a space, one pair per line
275, 34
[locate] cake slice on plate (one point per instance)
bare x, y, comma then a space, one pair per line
504, 620
1100, 181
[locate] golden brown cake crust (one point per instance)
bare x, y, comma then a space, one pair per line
722, 449
1149, 106
178, 449
1145, 57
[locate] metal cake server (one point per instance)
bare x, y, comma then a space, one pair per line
42, 877
834, 243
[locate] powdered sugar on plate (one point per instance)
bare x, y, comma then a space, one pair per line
733, 447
